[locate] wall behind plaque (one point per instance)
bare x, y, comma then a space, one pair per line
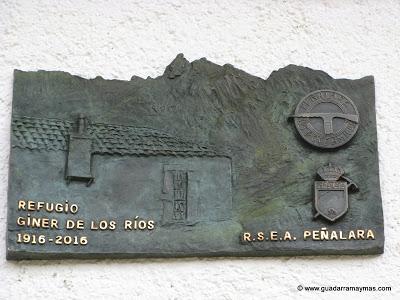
118, 39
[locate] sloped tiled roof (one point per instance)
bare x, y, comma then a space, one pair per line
52, 135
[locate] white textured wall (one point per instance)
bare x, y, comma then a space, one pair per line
116, 39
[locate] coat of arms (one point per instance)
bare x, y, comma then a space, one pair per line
331, 194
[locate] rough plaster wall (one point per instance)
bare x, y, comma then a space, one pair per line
117, 39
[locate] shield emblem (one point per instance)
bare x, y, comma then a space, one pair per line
331, 199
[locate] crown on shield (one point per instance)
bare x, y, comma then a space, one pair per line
330, 172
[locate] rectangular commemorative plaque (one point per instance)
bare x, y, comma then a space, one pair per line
205, 160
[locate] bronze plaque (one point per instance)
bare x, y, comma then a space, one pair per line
205, 160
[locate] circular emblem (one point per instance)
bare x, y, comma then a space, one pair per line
326, 119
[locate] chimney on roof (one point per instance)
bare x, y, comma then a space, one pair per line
79, 159
82, 124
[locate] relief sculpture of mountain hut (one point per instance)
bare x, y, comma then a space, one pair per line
177, 181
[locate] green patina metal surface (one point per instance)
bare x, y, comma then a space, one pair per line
205, 151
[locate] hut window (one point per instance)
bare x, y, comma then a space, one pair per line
180, 180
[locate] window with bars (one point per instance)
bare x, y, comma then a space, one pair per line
180, 180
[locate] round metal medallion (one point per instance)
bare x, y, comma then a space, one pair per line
326, 119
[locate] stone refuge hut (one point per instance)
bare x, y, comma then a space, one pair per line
177, 181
